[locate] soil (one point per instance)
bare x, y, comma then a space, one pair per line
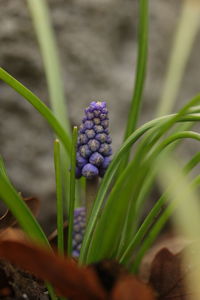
19, 285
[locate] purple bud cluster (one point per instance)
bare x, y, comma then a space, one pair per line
78, 230
94, 142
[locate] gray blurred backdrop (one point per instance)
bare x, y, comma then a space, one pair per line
97, 47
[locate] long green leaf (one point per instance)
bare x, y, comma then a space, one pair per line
143, 189
72, 191
46, 38
59, 196
48, 48
144, 185
140, 68
21, 212
143, 172
187, 30
39, 106
192, 163
3, 170
127, 254
143, 150
166, 123
114, 165
116, 208
164, 217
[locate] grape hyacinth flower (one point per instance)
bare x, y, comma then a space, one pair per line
78, 230
94, 142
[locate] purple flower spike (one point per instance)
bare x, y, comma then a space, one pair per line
78, 230
94, 142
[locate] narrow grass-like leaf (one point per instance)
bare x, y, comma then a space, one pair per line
115, 163
152, 235
140, 68
59, 196
186, 220
143, 188
115, 209
164, 126
142, 174
185, 194
109, 174
140, 75
106, 183
192, 163
46, 38
143, 150
21, 212
3, 170
48, 48
187, 30
152, 215
72, 190
39, 106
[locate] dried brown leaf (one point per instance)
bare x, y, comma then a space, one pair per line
53, 237
12, 234
8, 220
108, 271
173, 242
66, 276
168, 276
129, 288
73, 281
119, 283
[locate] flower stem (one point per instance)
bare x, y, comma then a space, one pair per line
91, 191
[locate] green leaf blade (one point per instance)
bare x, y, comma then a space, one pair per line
72, 190
39, 106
